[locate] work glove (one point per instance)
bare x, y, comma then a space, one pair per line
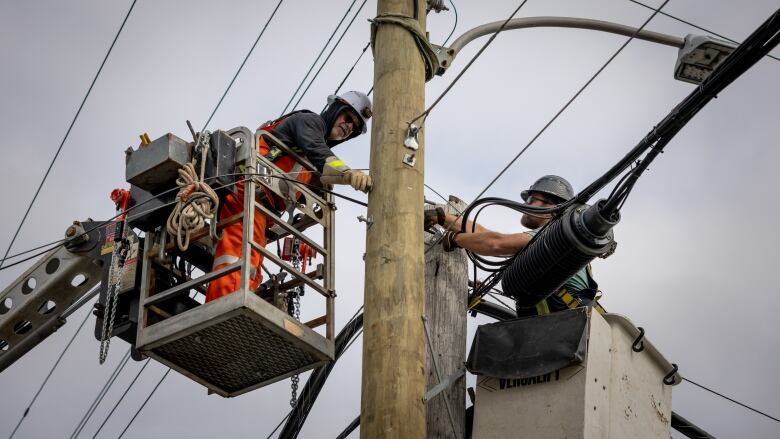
336, 171
448, 242
432, 217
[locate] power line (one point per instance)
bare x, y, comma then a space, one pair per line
144, 404
333, 49
425, 113
454, 25
570, 101
91, 410
120, 399
67, 133
363, 52
243, 62
46, 380
732, 400
696, 26
319, 56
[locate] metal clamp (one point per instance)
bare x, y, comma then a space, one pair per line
411, 137
409, 160
369, 221
669, 378
638, 346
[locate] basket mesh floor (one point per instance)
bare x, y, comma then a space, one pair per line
235, 354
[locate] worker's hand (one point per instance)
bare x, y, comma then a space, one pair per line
336, 171
432, 217
359, 180
448, 242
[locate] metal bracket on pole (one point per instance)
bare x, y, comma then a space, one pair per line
444, 384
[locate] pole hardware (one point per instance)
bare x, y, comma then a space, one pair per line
669, 378
369, 221
411, 137
638, 346
409, 160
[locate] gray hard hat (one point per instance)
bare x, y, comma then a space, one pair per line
551, 185
358, 101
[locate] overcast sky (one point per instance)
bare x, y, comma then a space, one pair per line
697, 243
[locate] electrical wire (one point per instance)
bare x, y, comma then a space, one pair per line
54, 244
120, 399
67, 133
99, 398
144, 404
242, 64
454, 25
318, 57
363, 52
46, 380
732, 400
333, 49
697, 26
425, 113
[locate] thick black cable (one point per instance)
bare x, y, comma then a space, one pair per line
46, 380
113, 409
697, 26
425, 113
350, 428
333, 49
732, 400
344, 17
555, 117
144, 404
242, 64
101, 394
67, 133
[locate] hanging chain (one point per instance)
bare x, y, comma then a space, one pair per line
112, 295
296, 312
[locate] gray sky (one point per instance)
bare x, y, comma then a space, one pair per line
697, 240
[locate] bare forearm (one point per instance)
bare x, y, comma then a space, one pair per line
451, 222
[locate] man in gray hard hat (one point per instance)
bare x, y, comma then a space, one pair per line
547, 191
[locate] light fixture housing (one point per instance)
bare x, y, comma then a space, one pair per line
699, 57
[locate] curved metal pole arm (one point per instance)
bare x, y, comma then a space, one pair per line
449, 53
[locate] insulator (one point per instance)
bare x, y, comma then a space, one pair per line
559, 251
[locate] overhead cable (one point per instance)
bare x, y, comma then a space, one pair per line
99, 398
363, 52
732, 400
144, 403
454, 25
425, 113
67, 133
113, 409
271, 17
46, 380
344, 17
333, 49
697, 27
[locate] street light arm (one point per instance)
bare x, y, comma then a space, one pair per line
448, 54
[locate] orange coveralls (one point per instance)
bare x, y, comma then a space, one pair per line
228, 248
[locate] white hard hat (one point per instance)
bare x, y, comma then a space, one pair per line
359, 102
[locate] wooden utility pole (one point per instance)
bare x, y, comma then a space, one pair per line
446, 288
393, 338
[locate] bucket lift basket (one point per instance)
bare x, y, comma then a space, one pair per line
241, 342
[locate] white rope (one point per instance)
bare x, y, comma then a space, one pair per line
196, 202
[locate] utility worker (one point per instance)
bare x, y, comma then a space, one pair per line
548, 191
311, 135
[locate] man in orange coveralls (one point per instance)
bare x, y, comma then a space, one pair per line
345, 117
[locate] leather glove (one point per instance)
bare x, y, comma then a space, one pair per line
433, 216
336, 171
448, 242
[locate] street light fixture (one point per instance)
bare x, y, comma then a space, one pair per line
699, 55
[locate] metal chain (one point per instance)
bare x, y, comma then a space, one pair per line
112, 294
296, 312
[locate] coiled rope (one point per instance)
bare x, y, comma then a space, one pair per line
195, 202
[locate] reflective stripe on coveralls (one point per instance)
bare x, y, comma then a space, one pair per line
228, 248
